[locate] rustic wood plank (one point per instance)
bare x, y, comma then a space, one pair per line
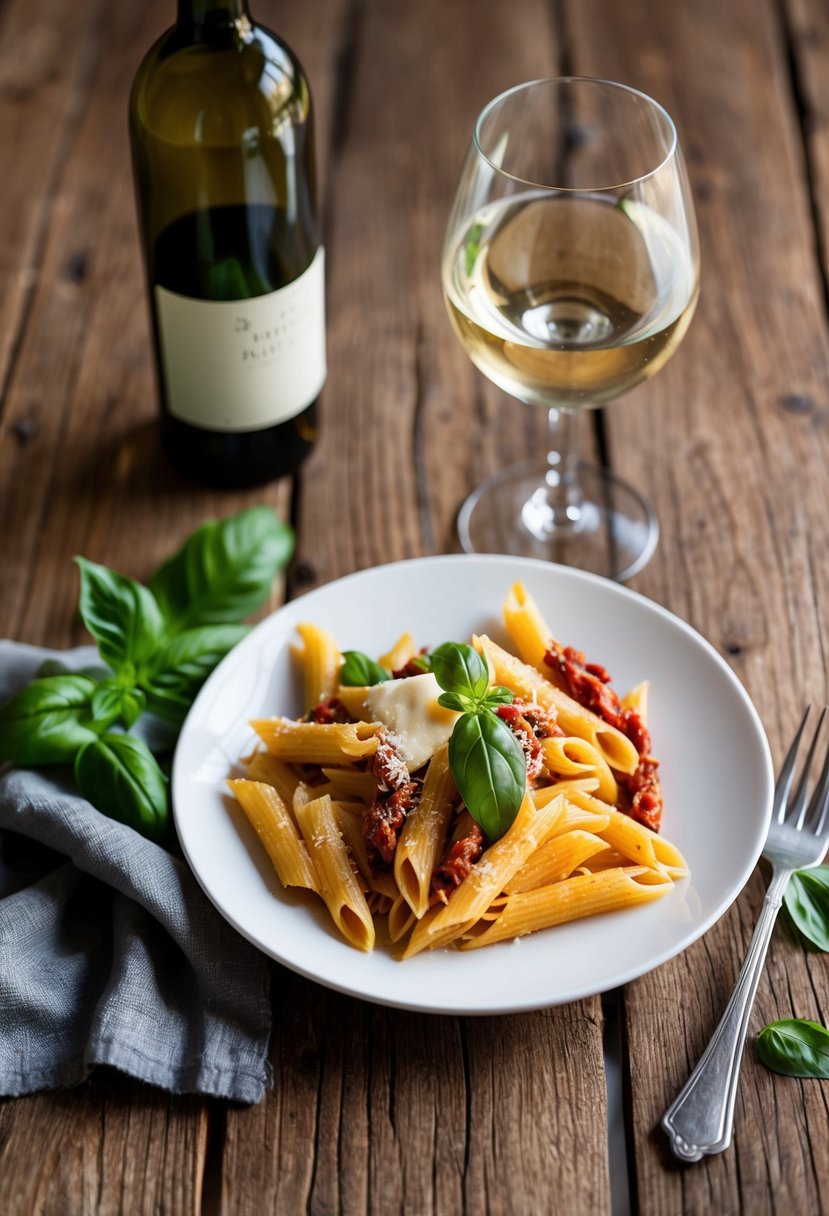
44, 86
402, 393
111, 1146
807, 28
730, 442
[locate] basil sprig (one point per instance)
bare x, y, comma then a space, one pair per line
795, 1047
807, 903
159, 644
486, 759
358, 670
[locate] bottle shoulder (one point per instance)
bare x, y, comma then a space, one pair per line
209, 92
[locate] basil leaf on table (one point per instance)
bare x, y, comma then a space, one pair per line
120, 776
490, 772
358, 670
807, 903
121, 614
223, 571
46, 722
795, 1047
460, 669
184, 664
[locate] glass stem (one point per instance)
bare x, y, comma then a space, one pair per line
556, 506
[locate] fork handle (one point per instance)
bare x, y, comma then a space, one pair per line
701, 1118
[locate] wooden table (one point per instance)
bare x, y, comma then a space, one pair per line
375, 1110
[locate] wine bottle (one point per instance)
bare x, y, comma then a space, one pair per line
222, 141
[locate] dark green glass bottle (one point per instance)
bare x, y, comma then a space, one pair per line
223, 154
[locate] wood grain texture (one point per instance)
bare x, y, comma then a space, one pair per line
730, 442
384, 1111
112, 1146
402, 394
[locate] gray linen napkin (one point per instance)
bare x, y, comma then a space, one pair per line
110, 953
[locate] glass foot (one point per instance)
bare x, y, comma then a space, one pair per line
615, 534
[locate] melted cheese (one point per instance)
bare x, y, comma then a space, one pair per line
409, 710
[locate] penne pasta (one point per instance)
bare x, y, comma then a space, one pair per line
349, 783
498, 864
573, 719
339, 887
401, 918
401, 652
321, 660
569, 756
584, 895
270, 817
555, 860
424, 834
637, 699
361, 805
526, 626
380, 882
265, 767
316, 743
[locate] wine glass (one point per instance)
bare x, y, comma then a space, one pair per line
571, 273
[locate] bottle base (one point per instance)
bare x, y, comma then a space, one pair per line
228, 461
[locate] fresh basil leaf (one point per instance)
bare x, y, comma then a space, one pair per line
223, 571
498, 695
183, 666
489, 770
133, 704
359, 670
119, 775
111, 700
807, 903
197, 651
121, 614
46, 722
171, 704
459, 668
795, 1047
457, 701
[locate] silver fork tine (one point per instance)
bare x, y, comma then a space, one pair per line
800, 802
784, 781
819, 806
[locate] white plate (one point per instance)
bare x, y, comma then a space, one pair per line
716, 772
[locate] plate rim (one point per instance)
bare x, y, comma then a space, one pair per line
587, 578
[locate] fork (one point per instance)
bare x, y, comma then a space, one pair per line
701, 1119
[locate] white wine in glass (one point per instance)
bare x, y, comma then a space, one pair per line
571, 272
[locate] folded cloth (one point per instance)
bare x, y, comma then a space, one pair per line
110, 953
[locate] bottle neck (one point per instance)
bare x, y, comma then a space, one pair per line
211, 13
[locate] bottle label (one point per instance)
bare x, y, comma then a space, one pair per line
242, 365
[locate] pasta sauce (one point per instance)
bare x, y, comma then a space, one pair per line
589, 684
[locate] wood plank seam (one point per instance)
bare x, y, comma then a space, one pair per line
803, 110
